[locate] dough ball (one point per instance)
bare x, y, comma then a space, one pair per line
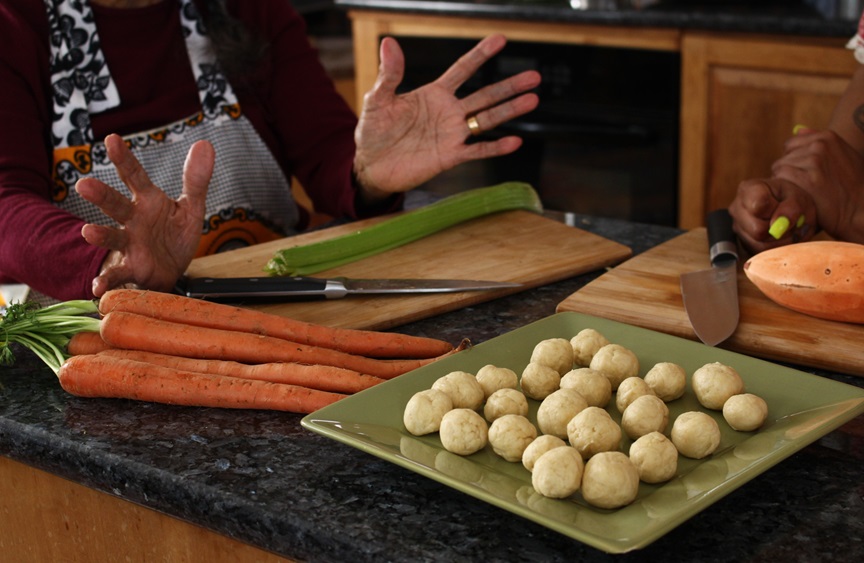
557, 353
655, 457
695, 434
593, 431
745, 412
539, 381
463, 432
610, 480
585, 344
667, 380
646, 414
492, 378
510, 434
615, 362
538, 447
463, 389
505, 401
714, 383
424, 411
592, 385
629, 390
558, 472
558, 409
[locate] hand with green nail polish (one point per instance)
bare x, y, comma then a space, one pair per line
762, 209
831, 172
817, 183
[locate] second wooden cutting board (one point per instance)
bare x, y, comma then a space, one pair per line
514, 246
645, 291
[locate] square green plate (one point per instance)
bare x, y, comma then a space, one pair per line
802, 408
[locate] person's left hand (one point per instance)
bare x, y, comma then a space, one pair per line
824, 165
158, 236
405, 140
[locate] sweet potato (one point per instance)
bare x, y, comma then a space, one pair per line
823, 279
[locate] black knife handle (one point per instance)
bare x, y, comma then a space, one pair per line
722, 244
259, 289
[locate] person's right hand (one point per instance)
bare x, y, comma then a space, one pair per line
761, 203
157, 237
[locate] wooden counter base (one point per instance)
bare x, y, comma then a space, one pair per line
47, 518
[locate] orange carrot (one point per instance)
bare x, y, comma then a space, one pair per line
177, 308
86, 343
97, 375
138, 332
324, 378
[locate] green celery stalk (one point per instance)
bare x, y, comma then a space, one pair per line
413, 225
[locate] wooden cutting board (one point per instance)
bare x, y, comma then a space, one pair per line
513, 246
645, 291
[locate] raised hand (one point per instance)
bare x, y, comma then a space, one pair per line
157, 236
405, 140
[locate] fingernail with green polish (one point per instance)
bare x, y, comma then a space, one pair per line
800, 222
798, 128
779, 227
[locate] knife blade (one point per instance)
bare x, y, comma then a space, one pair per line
711, 296
280, 288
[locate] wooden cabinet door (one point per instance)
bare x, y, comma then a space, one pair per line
741, 98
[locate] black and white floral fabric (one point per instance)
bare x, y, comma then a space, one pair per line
82, 84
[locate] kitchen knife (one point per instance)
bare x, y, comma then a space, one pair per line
711, 296
280, 288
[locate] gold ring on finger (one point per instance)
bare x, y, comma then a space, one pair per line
473, 125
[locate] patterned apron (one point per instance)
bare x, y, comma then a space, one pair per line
249, 198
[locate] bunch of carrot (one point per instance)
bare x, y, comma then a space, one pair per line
167, 348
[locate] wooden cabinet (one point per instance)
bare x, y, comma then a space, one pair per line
741, 95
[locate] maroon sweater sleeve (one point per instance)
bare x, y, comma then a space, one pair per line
40, 244
289, 99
